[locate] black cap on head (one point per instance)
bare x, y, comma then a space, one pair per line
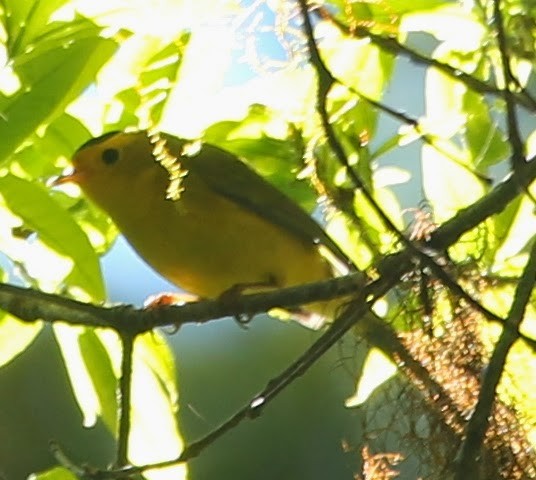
97, 140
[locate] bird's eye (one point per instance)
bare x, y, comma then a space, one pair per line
110, 156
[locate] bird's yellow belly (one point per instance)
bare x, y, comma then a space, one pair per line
212, 244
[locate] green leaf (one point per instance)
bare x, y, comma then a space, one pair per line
50, 81
56, 473
448, 186
154, 434
444, 98
518, 383
377, 369
160, 75
155, 352
45, 152
486, 143
403, 6
25, 20
391, 175
378, 236
442, 21
352, 240
358, 64
81, 383
394, 141
517, 231
93, 360
56, 229
15, 336
91, 372
96, 357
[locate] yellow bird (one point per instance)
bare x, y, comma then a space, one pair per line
225, 227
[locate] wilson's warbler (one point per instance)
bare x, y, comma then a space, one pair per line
227, 227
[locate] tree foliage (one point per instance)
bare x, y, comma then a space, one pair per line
410, 122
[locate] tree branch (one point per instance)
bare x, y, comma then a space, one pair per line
491, 204
514, 138
325, 82
478, 423
125, 391
32, 305
390, 44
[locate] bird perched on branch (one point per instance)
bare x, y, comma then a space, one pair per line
204, 219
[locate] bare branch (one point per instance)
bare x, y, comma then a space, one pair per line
491, 204
478, 424
518, 150
32, 305
125, 391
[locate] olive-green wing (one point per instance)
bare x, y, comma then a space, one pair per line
248, 189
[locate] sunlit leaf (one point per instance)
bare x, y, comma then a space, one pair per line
403, 6
378, 368
44, 152
55, 228
443, 20
154, 435
96, 358
517, 230
448, 186
26, 20
84, 391
374, 228
349, 239
15, 336
444, 109
486, 142
155, 352
531, 144
133, 87
518, 385
357, 62
388, 176
192, 103
50, 81
159, 77
56, 473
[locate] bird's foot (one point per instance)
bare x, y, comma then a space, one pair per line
231, 297
169, 298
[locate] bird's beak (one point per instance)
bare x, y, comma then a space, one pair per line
72, 176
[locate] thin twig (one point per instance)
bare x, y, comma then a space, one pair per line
514, 138
457, 289
325, 82
417, 128
125, 395
392, 45
63, 459
478, 424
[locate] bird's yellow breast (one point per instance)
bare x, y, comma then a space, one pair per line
207, 244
